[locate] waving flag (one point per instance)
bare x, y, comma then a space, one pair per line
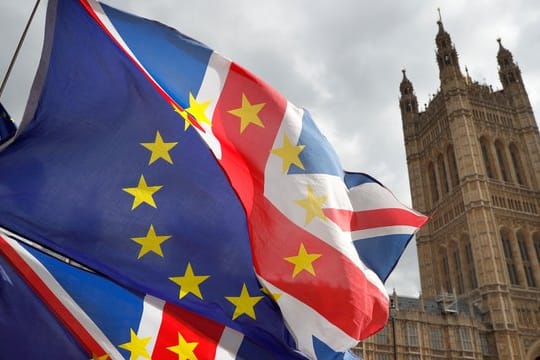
152, 159
71, 313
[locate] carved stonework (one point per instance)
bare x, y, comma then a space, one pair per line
474, 167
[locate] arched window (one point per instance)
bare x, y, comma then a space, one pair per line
501, 158
442, 173
487, 158
412, 334
536, 240
445, 271
433, 183
447, 60
509, 257
458, 271
470, 265
454, 177
525, 259
516, 162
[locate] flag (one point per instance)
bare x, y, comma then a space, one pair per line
7, 127
154, 160
68, 312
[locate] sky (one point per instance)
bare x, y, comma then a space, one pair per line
339, 59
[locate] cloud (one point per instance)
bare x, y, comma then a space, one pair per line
341, 60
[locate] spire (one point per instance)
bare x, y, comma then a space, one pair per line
442, 39
509, 72
408, 101
446, 54
468, 79
406, 86
504, 56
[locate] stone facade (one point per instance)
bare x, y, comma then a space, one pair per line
473, 156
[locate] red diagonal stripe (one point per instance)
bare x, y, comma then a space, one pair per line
349, 220
33, 280
340, 291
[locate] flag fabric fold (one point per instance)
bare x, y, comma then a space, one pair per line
150, 158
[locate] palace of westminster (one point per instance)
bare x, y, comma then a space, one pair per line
473, 157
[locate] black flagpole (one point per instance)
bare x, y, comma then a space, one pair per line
19, 45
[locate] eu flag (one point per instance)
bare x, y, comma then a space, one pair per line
155, 161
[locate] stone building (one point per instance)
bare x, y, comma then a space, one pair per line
473, 156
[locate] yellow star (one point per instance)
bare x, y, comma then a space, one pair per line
248, 113
136, 346
289, 154
102, 357
303, 261
273, 296
244, 304
151, 242
184, 115
142, 193
189, 283
184, 349
159, 149
313, 205
196, 109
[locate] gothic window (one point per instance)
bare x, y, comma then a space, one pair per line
446, 273
442, 173
501, 158
383, 356
516, 162
470, 264
487, 158
525, 259
465, 339
383, 337
458, 271
412, 334
435, 338
484, 343
509, 257
454, 177
536, 239
433, 183
447, 59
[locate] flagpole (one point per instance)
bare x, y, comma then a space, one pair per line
19, 45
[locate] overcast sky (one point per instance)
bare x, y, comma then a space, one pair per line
339, 59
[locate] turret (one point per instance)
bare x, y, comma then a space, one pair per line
509, 71
408, 105
514, 89
447, 57
408, 102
